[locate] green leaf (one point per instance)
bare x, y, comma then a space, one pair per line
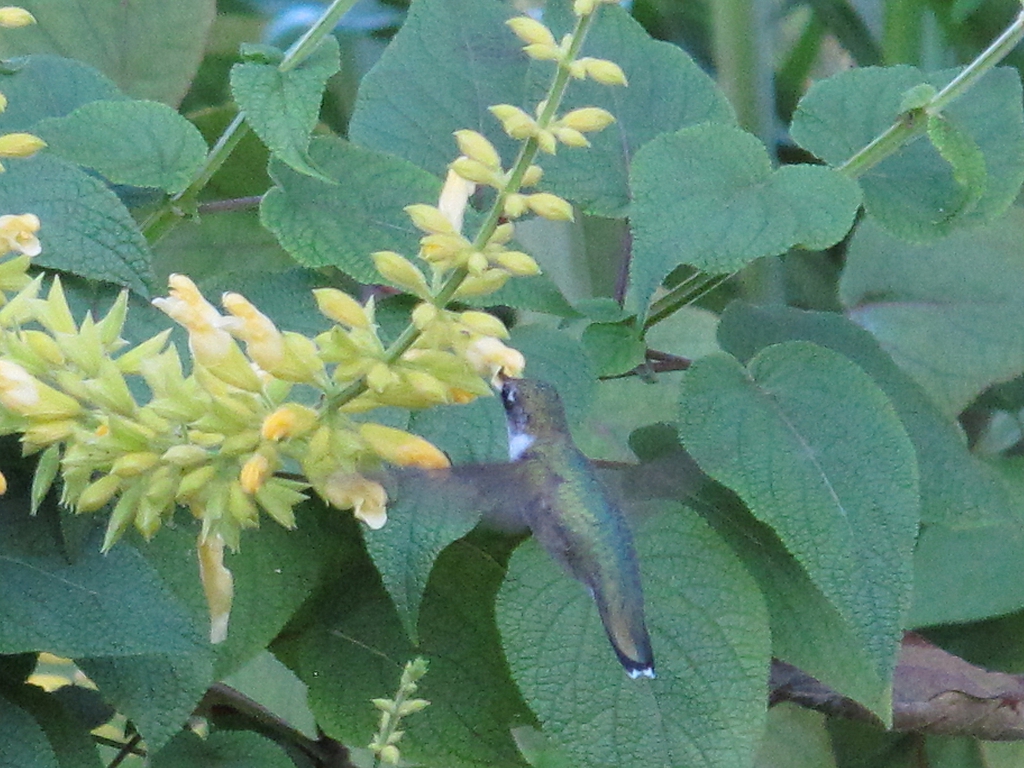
273, 686
914, 193
95, 604
69, 740
282, 107
224, 749
557, 358
708, 197
537, 293
614, 348
949, 312
85, 229
957, 489
949, 587
463, 44
817, 452
142, 143
356, 650
667, 91
964, 157
24, 741
151, 49
49, 86
795, 738
710, 635
341, 224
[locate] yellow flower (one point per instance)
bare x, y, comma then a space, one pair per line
402, 448
342, 308
254, 473
494, 360
18, 233
19, 145
289, 420
263, 340
13, 17
367, 499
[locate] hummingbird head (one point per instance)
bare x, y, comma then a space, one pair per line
533, 411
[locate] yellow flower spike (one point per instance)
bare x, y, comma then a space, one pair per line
430, 219
134, 464
400, 272
454, 198
288, 421
514, 121
13, 17
475, 146
517, 263
476, 172
531, 31
402, 448
18, 233
587, 119
341, 308
489, 282
602, 71
97, 494
20, 145
515, 206
532, 176
367, 499
254, 473
494, 360
570, 137
484, 324
218, 585
550, 206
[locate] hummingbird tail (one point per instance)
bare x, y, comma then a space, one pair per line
627, 633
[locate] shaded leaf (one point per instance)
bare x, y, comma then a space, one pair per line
341, 224
707, 196
709, 631
85, 228
282, 107
816, 451
614, 347
142, 143
947, 312
24, 741
70, 741
914, 193
223, 749
48, 86
150, 48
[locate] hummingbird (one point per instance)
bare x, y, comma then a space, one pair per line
562, 501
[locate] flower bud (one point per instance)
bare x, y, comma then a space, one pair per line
570, 137
515, 206
341, 308
550, 206
546, 141
603, 71
587, 119
13, 17
476, 147
484, 324
516, 123
98, 493
532, 176
254, 473
402, 448
400, 272
477, 172
531, 31
489, 282
278, 498
542, 52
584, 7
20, 145
428, 218
518, 263
134, 464
290, 420
184, 455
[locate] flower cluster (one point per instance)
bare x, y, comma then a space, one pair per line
16, 144
384, 743
260, 416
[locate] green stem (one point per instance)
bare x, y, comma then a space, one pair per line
742, 62
521, 164
910, 124
167, 216
902, 31
685, 293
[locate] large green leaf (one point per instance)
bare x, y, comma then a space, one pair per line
463, 44
68, 738
283, 106
667, 91
816, 451
24, 741
916, 193
957, 489
710, 635
341, 224
88, 604
221, 750
357, 647
707, 196
85, 228
49, 86
150, 48
142, 143
949, 312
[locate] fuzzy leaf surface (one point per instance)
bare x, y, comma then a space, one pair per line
341, 224
224, 749
142, 143
150, 48
707, 196
816, 451
948, 312
709, 630
283, 107
915, 193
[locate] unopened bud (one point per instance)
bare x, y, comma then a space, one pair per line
550, 206
13, 17
531, 31
400, 272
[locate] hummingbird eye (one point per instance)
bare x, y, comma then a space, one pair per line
508, 393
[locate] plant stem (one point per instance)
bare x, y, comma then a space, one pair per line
910, 124
742, 63
161, 221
